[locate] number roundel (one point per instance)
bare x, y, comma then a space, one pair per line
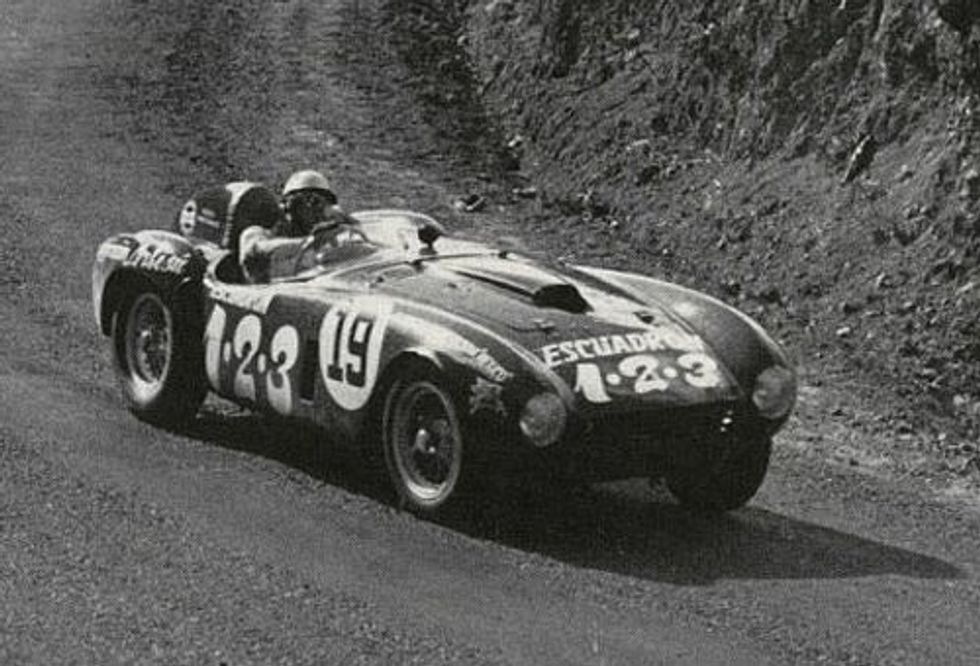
187, 219
351, 338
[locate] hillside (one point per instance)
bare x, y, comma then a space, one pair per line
813, 162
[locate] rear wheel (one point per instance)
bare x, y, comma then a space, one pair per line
729, 483
423, 443
157, 359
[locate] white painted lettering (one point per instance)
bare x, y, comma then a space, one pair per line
551, 355
580, 348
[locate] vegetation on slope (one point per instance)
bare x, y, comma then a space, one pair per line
812, 161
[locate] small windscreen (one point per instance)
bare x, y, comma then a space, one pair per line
394, 228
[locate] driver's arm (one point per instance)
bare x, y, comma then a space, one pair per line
264, 256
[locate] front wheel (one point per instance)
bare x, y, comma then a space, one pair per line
729, 483
423, 443
157, 359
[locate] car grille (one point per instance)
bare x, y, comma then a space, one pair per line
645, 443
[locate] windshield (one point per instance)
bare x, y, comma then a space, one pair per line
393, 228
340, 250
399, 230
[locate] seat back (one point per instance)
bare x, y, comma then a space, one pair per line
220, 214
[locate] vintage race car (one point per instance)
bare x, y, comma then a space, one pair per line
455, 360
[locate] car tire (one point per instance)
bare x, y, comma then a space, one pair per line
729, 484
422, 439
158, 358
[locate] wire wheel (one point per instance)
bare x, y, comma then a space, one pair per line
423, 444
148, 345
158, 358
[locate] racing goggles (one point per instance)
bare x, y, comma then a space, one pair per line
317, 200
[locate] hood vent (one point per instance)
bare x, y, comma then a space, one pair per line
562, 296
542, 287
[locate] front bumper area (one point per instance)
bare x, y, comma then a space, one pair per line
650, 443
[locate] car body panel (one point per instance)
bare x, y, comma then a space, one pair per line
161, 258
312, 351
620, 351
747, 348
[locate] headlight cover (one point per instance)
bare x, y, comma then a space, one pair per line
543, 419
775, 392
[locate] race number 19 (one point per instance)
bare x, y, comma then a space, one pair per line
351, 337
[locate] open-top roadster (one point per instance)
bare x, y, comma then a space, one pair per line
456, 359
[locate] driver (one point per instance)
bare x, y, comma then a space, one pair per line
309, 206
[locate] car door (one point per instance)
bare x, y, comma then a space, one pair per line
296, 349
258, 347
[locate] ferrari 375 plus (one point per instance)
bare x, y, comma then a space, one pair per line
453, 359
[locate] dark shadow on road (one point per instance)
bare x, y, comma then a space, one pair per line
298, 445
625, 529
631, 530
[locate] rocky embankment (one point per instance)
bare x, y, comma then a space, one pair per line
813, 162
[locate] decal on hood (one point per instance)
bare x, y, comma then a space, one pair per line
653, 339
641, 374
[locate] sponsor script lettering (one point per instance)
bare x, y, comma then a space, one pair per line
150, 259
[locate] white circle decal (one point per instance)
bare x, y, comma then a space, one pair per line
351, 337
188, 218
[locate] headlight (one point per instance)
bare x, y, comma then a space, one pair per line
543, 419
775, 392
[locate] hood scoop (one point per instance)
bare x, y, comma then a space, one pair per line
540, 286
563, 296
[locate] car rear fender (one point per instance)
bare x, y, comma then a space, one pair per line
149, 259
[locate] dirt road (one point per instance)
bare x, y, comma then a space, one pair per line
244, 542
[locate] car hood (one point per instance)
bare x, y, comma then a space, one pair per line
611, 347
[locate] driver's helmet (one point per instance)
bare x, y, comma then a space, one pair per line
307, 197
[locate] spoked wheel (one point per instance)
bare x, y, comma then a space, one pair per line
423, 444
148, 341
157, 360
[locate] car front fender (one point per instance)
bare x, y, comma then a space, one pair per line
741, 342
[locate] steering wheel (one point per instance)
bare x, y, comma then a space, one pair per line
328, 234
330, 243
